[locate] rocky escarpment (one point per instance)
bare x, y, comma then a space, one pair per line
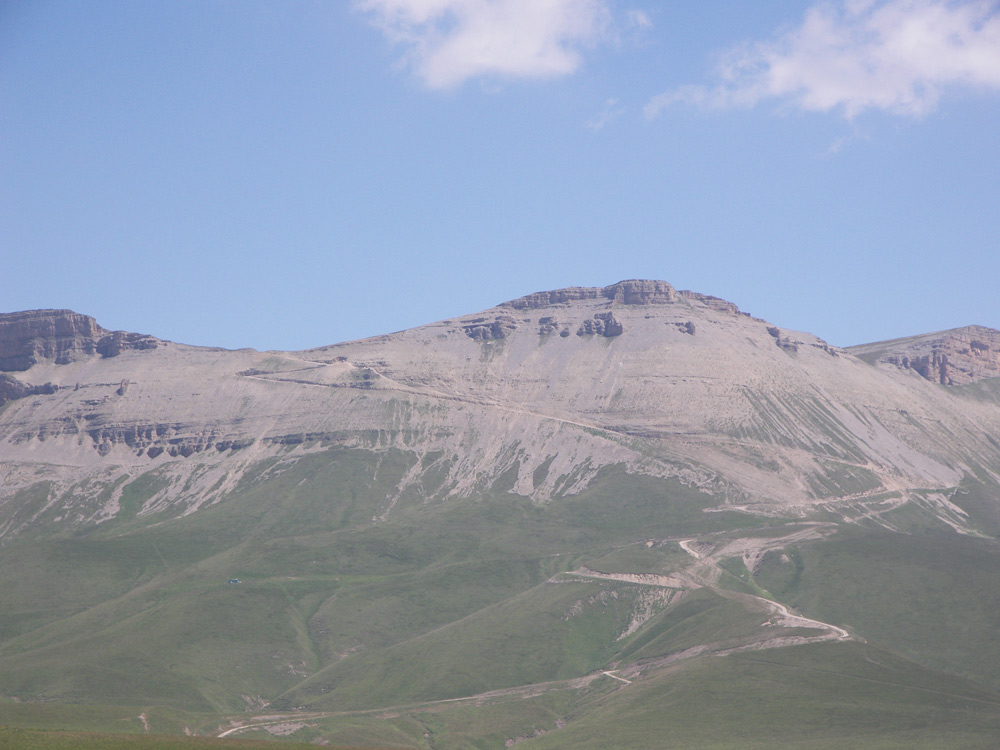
61, 336
482, 329
12, 389
632, 292
955, 357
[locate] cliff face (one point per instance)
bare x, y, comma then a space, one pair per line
955, 357
62, 336
632, 292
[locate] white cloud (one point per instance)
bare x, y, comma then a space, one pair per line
451, 41
898, 56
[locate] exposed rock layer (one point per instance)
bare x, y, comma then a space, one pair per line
955, 357
657, 381
62, 336
632, 292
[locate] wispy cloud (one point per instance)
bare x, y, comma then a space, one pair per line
448, 42
851, 56
611, 111
639, 19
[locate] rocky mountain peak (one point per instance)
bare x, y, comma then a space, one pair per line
62, 336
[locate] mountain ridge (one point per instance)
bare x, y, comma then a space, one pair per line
529, 515
64, 335
683, 385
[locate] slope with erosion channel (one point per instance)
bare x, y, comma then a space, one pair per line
692, 609
536, 395
561, 501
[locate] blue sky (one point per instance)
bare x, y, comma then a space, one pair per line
294, 174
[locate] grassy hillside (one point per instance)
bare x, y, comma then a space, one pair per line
469, 622
835, 696
934, 598
137, 614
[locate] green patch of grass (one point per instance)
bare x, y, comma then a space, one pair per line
142, 611
831, 697
934, 597
736, 577
779, 571
33, 739
551, 632
702, 618
655, 558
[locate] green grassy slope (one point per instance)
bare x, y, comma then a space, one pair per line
145, 615
934, 598
366, 622
834, 696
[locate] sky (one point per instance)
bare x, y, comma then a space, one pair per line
286, 175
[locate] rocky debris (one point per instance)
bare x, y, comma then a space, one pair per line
782, 342
687, 327
62, 336
602, 324
481, 329
955, 357
11, 389
547, 326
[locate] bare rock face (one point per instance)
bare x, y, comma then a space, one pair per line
62, 336
116, 342
602, 324
641, 292
547, 325
955, 357
11, 389
632, 292
485, 330
782, 342
556, 297
713, 303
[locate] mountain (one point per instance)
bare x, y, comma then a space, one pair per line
956, 357
573, 519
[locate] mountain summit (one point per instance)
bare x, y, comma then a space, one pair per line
545, 391
544, 513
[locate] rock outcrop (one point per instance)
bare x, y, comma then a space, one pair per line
602, 324
955, 357
116, 342
11, 389
483, 329
632, 292
62, 336
641, 292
